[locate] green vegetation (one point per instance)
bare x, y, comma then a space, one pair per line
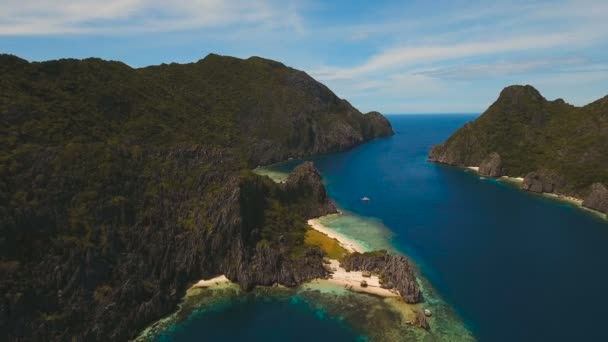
89, 145
102, 294
54, 316
531, 134
138, 180
331, 247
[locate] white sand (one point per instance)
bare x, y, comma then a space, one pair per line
346, 242
512, 179
570, 199
349, 280
211, 282
474, 168
578, 202
352, 281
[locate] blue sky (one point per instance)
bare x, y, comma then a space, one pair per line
391, 56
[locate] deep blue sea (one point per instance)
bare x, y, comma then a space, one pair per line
514, 266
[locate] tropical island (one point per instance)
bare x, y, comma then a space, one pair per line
547, 147
120, 188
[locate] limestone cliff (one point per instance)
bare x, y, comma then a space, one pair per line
395, 272
119, 187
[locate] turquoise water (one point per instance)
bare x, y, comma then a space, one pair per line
514, 266
254, 319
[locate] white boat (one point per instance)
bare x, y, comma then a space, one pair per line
365, 199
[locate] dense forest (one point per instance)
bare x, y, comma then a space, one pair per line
120, 186
561, 147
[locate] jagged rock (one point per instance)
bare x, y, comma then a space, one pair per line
597, 198
421, 320
386, 285
533, 183
395, 270
436, 154
491, 166
305, 182
363, 283
542, 181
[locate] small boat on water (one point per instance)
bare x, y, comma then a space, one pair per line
365, 199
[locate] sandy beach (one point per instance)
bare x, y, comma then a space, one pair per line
348, 280
577, 202
211, 282
569, 199
349, 244
518, 180
352, 281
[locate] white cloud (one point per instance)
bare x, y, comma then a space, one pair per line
408, 53
30, 17
509, 67
407, 56
466, 54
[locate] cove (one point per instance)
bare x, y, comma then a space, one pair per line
515, 266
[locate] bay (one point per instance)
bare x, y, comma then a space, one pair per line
514, 266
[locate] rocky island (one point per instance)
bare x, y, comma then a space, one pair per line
122, 187
551, 146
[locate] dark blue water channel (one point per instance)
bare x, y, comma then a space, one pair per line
515, 266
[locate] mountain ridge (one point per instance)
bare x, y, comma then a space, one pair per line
561, 147
119, 187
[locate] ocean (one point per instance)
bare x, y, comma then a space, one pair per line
511, 266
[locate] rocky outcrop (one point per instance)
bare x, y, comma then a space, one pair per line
305, 182
421, 320
491, 166
395, 272
376, 125
436, 154
543, 181
597, 199
271, 265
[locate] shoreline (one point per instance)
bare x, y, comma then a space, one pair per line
352, 281
349, 244
215, 281
338, 277
349, 280
518, 181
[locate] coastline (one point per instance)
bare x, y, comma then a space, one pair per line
349, 244
339, 276
215, 281
350, 280
377, 311
518, 181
